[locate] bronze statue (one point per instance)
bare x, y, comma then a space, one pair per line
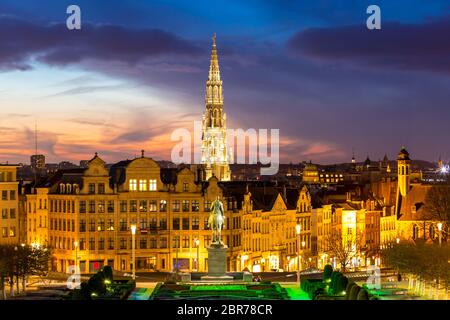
216, 220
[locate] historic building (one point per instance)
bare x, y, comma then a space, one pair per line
9, 205
215, 154
86, 214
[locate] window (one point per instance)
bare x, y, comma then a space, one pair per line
110, 206
162, 206
101, 188
82, 226
152, 206
123, 225
91, 243
153, 224
123, 243
133, 205
176, 242
195, 223
185, 223
143, 206
206, 241
205, 226
195, 206
91, 225
101, 244
4, 195
185, 241
185, 187
163, 242
12, 231
110, 225
207, 206
176, 206
133, 185
142, 185
110, 244
101, 206
143, 224
152, 243
101, 225
91, 188
143, 243
163, 224
91, 206
176, 224
82, 244
123, 205
82, 206
152, 184
12, 213
12, 195
4, 213
185, 205
4, 232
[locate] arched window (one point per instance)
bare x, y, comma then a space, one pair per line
62, 188
69, 188
432, 233
415, 234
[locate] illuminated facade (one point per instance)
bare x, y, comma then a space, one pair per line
9, 205
214, 125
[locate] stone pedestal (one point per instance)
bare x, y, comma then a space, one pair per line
217, 263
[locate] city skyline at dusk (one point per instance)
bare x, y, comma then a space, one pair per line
135, 72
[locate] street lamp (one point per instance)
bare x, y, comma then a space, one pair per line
197, 244
133, 250
397, 240
76, 256
298, 230
439, 225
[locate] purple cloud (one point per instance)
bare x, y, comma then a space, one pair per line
401, 46
23, 40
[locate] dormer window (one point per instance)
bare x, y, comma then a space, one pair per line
185, 187
152, 184
142, 185
91, 189
101, 188
133, 185
68, 188
62, 188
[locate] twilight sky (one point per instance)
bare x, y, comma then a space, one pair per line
137, 71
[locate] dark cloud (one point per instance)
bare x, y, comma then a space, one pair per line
422, 46
22, 41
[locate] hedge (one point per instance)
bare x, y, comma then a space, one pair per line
327, 271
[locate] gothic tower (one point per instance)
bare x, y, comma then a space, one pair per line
403, 171
214, 126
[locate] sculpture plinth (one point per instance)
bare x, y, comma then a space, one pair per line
217, 263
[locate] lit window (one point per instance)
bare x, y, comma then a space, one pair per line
152, 184
142, 185
133, 185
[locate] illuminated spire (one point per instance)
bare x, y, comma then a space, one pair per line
214, 94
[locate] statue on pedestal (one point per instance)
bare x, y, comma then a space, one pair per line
216, 220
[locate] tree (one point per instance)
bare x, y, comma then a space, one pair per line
437, 203
343, 251
21, 261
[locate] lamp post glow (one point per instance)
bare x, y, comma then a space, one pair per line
439, 225
263, 261
197, 244
133, 250
397, 240
298, 230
